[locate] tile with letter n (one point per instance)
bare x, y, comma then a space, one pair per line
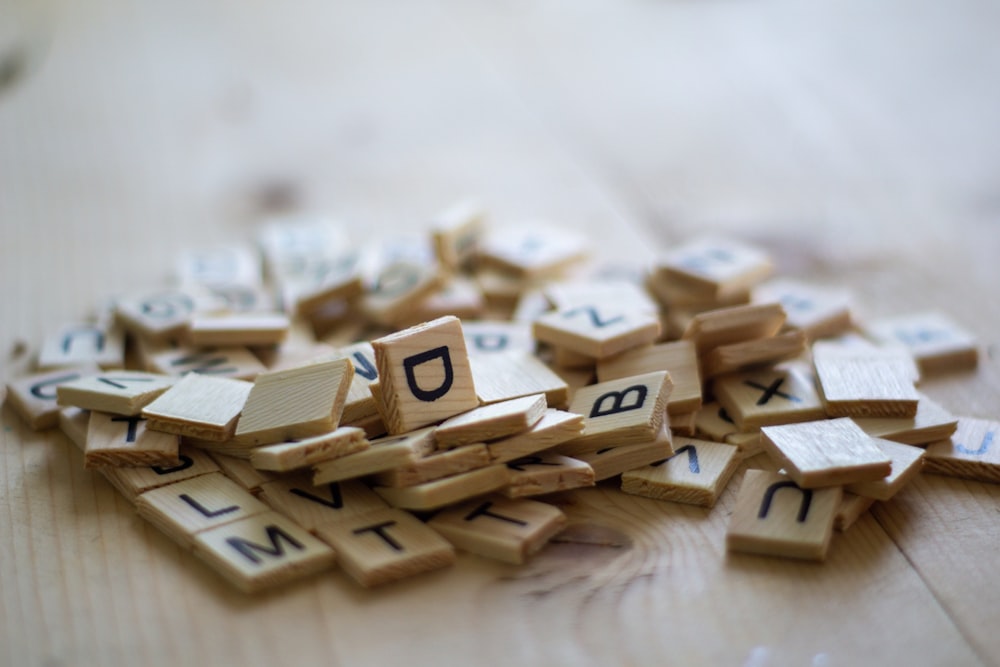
360, 404
738, 324
931, 423
491, 336
455, 233
34, 396
773, 516
506, 375
118, 392
262, 551
299, 402
937, 342
680, 358
117, 440
768, 397
555, 427
620, 412
500, 528
81, 344
597, 330
130, 482
446, 491
716, 267
826, 453
973, 452
546, 473
907, 462
311, 505
382, 454
230, 362
696, 474
424, 374
817, 310
613, 460
858, 381
491, 422
238, 329
183, 509
386, 545
287, 456
200, 407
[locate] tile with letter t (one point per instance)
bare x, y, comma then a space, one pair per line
130, 482
424, 374
696, 474
500, 528
262, 551
773, 516
34, 397
768, 397
125, 441
79, 344
200, 407
311, 505
118, 392
386, 545
973, 452
231, 362
597, 330
936, 341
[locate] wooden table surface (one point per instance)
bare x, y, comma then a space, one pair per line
857, 141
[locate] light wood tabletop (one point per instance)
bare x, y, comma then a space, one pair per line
857, 142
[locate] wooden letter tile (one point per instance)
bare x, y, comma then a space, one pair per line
83, 344
937, 343
242, 472
554, 428
490, 336
130, 482
228, 362
286, 456
507, 375
907, 461
125, 441
973, 452
680, 358
714, 423
435, 466
491, 422
852, 507
312, 506
456, 232
383, 454
773, 516
768, 397
597, 330
738, 324
931, 423
200, 407
360, 404
861, 382
719, 267
159, 315
34, 396
119, 392
752, 353
73, 422
614, 460
500, 528
696, 474
398, 288
818, 311
532, 250
446, 491
238, 329
540, 474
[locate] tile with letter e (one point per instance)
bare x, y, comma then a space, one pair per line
424, 374
907, 461
613, 460
34, 397
826, 453
82, 344
857, 381
115, 440
238, 329
445, 491
738, 324
773, 516
287, 456
491, 422
937, 342
262, 551
229, 362
183, 509
767, 397
973, 452
200, 407
360, 404
130, 482
386, 545
500, 528
597, 330
546, 473
554, 428
817, 310
311, 505
715, 266
119, 392
382, 454
931, 423
696, 474
679, 358
507, 375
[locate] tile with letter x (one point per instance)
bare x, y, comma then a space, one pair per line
767, 397
973, 452
119, 392
386, 545
772, 515
125, 441
159, 316
597, 330
696, 474
424, 374
231, 362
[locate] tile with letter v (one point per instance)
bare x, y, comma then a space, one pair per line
311, 505
696, 474
614, 460
118, 392
973, 452
679, 357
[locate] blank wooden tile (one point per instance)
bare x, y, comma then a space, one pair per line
34, 396
242, 472
597, 330
200, 407
229, 362
382, 454
120, 392
620, 412
936, 341
507, 375
554, 428
717, 266
907, 462
695, 474
817, 310
973, 452
183, 509
386, 545
441, 492
574, 380
683, 424
292, 355
539, 474
503, 291
491, 422
752, 354
130, 482
286, 456
312, 506
773, 516
490, 336
263, 551
73, 422
726, 326
435, 466
680, 358
613, 460
455, 233
714, 422
535, 250
500, 528
83, 344
852, 507
125, 441
237, 329
295, 403
767, 397
424, 374
397, 289
931, 423
860, 382
826, 453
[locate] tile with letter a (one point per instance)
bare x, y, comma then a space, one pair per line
383, 454
507, 375
532, 250
231, 362
125, 441
118, 392
546, 473
130, 482
200, 407
865, 382
696, 474
620, 412
34, 396
491, 422
738, 324
931, 423
554, 428
262, 551
455, 233
490, 336
614, 460
774, 516
715, 266
597, 330
500, 528
680, 358
238, 329
311, 506
907, 461
360, 404
817, 310
936, 341
767, 397
81, 344
441, 492
295, 403
183, 509
386, 545
826, 453
973, 452
424, 374
286, 456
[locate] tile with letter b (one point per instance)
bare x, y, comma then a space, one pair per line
597, 330
767, 397
506, 375
546, 473
263, 551
696, 474
386, 545
500, 528
83, 344
857, 381
34, 396
491, 422
118, 392
125, 441
312, 506
679, 358
200, 407
130, 482
826, 453
772, 515
938, 343
424, 374
160, 316
973, 452
714, 266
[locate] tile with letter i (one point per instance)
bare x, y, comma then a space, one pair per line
500, 528
768, 397
826, 453
200, 407
973, 452
312, 506
936, 341
424, 374
865, 382
696, 474
546, 473
613, 460
819, 311
506, 375
130, 482
81, 344
360, 404
118, 440
34, 397
119, 392
717, 267
386, 545
491, 422
455, 233
680, 358
773, 516
597, 330
262, 551
230, 362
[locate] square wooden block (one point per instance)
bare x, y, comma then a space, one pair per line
852, 507
856, 381
714, 422
130, 482
696, 474
817, 310
554, 428
931, 423
242, 472
227, 362
446, 491
312, 506
238, 329
73, 422
752, 353
597, 330
936, 341
538, 249
200, 407
456, 232
382, 454
491, 422
973, 452
359, 403
907, 461
398, 288
738, 324
35, 397
424, 374
614, 460
507, 375
161, 315
716, 266
81, 345
125, 441
491, 336
118, 392
435, 466
774, 516
287, 456
679, 358
546, 473
768, 397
